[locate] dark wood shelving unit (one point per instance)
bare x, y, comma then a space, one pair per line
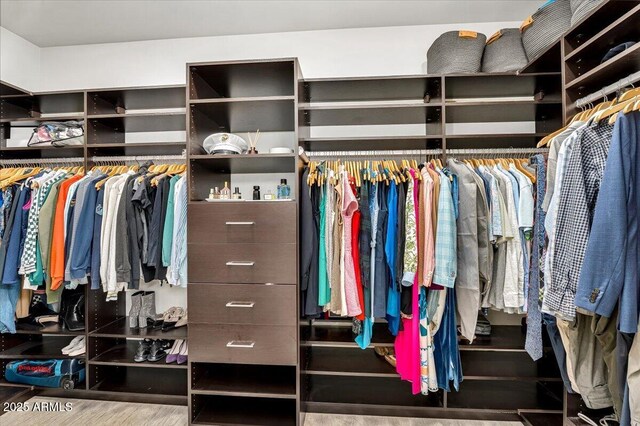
611, 23
243, 368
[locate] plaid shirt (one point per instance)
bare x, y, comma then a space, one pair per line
578, 195
446, 234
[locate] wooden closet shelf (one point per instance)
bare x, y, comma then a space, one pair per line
120, 328
622, 29
123, 355
608, 72
47, 348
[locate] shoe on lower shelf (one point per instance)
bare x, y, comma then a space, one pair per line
158, 350
142, 353
172, 355
598, 417
79, 349
183, 356
71, 346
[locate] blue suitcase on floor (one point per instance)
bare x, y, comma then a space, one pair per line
53, 373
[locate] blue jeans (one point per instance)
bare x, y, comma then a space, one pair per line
558, 349
9, 294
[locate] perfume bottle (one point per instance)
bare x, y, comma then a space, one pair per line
269, 195
225, 193
256, 192
236, 194
216, 193
284, 190
211, 194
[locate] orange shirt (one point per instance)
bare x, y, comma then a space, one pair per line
57, 239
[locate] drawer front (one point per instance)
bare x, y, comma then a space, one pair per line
242, 223
242, 263
242, 344
256, 304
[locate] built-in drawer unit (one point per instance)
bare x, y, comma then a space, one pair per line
243, 344
257, 304
243, 263
242, 223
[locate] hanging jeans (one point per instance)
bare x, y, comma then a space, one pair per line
558, 349
9, 294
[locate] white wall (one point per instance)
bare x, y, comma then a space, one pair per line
19, 61
329, 53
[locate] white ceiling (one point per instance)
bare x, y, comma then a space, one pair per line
49, 23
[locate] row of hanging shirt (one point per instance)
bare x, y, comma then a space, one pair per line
414, 245
573, 268
110, 227
592, 263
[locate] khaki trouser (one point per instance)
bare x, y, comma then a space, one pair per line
633, 380
585, 360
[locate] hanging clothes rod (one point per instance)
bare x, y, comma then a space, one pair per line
374, 153
137, 158
497, 151
612, 88
19, 161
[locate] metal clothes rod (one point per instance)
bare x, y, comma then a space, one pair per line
137, 158
612, 88
497, 151
18, 161
375, 153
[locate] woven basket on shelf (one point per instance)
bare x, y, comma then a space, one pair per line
456, 52
580, 8
504, 52
545, 26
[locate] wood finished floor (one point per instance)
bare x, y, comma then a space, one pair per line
102, 413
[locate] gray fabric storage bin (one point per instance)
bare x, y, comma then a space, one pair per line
456, 52
580, 8
504, 52
545, 26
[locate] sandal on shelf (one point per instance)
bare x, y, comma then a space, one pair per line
382, 350
161, 318
158, 350
142, 354
172, 355
172, 319
182, 321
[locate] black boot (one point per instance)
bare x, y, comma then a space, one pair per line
73, 311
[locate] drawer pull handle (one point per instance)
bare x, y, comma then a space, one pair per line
240, 223
240, 304
241, 344
235, 263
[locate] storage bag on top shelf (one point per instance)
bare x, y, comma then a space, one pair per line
580, 8
504, 52
456, 52
545, 26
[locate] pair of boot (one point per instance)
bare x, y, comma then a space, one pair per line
143, 309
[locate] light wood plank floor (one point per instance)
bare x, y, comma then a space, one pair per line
107, 413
